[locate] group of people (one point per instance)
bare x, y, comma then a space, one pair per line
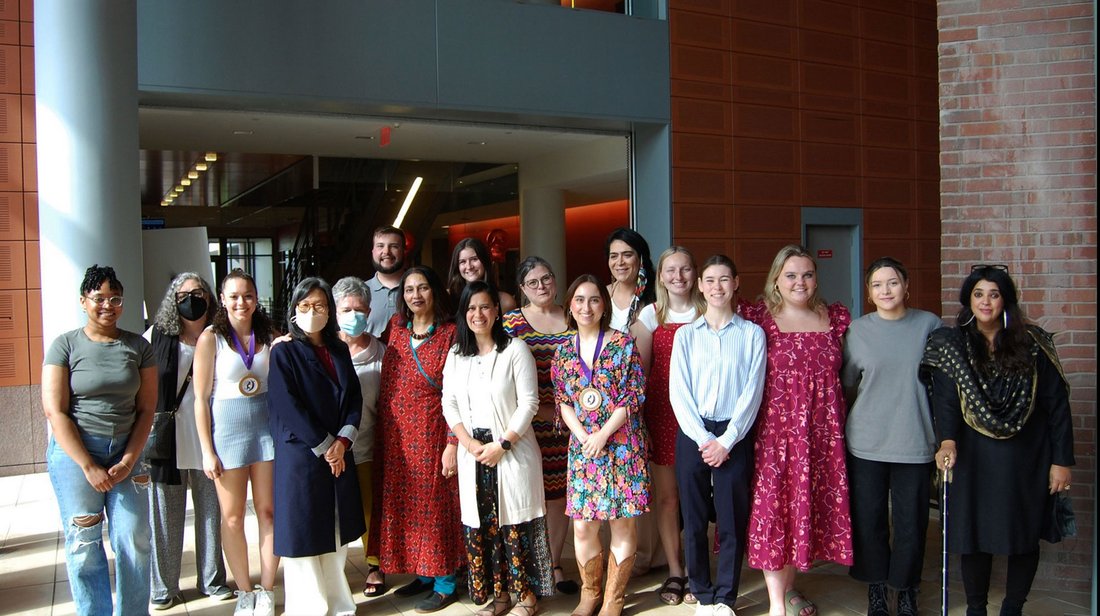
458, 435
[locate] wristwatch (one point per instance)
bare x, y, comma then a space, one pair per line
506, 444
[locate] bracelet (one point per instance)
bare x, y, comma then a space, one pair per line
128, 467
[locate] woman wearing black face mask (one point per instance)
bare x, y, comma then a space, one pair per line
176, 462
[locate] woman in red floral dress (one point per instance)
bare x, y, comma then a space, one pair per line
418, 527
800, 486
678, 302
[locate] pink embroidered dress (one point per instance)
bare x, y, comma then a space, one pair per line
800, 484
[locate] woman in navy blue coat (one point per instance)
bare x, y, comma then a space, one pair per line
315, 403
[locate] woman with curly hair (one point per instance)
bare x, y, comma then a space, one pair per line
188, 307
99, 391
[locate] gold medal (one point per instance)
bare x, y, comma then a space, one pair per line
590, 398
249, 385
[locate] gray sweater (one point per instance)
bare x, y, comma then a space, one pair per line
890, 420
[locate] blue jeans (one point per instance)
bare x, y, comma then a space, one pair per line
127, 509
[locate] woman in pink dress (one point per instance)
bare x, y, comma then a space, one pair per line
800, 487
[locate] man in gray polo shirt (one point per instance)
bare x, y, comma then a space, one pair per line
388, 256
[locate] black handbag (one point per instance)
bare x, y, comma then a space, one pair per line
162, 437
1062, 523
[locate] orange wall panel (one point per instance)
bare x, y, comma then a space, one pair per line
14, 362
13, 265
13, 314
34, 312
34, 265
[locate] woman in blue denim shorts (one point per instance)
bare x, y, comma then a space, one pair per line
99, 391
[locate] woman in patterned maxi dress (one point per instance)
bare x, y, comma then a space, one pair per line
418, 528
800, 486
540, 323
599, 385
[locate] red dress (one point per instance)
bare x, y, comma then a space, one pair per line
800, 484
416, 523
659, 418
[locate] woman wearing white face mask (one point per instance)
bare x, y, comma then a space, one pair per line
352, 308
315, 404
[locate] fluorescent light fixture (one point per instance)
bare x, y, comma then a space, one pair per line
408, 201
200, 167
211, 157
192, 175
185, 182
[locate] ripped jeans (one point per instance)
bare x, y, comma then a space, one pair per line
82, 515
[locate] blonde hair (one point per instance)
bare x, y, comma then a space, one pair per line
661, 305
772, 297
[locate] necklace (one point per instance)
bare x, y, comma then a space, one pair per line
416, 336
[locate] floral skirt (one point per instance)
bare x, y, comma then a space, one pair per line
505, 559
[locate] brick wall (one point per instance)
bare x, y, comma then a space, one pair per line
780, 105
1018, 164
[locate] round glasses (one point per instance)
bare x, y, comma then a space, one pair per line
115, 301
543, 281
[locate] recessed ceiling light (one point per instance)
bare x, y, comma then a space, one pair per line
192, 175
242, 132
211, 157
185, 182
200, 167
475, 143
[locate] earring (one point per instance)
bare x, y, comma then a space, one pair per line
1005, 315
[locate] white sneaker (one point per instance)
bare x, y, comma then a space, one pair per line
721, 609
265, 602
246, 602
704, 610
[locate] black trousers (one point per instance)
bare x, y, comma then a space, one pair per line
881, 493
976, 569
725, 491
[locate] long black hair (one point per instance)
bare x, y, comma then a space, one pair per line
1012, 344
465, 339
304, 288
441, 302
647, 275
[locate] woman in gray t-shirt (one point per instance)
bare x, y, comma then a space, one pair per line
99, 391
890, 439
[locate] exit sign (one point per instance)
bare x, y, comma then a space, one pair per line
824, 254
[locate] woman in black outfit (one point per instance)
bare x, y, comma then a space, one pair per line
1001, 405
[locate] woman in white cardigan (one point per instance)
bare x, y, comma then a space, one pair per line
490, 395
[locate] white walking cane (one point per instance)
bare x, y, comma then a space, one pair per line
945, 480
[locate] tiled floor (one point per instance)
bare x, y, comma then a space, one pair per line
33, 578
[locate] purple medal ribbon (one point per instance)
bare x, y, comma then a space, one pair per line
251, 354
586, 370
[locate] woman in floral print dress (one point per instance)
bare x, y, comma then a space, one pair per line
599, 385
800, 486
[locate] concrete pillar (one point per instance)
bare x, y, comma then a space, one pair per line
87, 130
542, 226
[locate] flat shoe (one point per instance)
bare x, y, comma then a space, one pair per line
435, 602
413, 588
566, 586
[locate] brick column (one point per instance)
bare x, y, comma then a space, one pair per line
1018, 186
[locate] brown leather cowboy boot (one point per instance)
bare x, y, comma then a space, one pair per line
591, 587
618, 574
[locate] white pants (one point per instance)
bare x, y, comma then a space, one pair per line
317, 586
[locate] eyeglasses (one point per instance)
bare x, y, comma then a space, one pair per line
115, 301
317, 308
982, 266
195, 293
535, 283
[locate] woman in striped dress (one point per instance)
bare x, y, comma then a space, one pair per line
540, 323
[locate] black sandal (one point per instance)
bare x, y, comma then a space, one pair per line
566, 586
375, 589
671, 592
